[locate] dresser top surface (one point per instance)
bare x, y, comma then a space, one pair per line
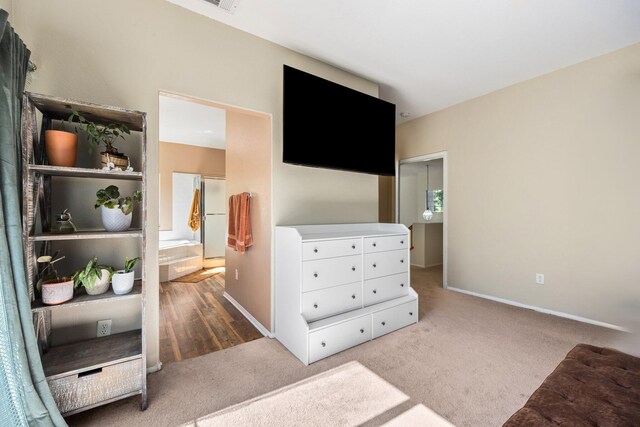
346, 231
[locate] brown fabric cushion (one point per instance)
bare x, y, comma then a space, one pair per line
592, 386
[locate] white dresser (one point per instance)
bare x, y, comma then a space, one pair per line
340, 285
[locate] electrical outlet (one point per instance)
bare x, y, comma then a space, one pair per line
540, 278
104, 328
236, 274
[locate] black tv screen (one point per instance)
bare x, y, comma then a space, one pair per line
331, 126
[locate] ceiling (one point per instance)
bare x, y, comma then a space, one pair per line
191, 123
430, 54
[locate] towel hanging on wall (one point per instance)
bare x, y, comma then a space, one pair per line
194, 213
240, 236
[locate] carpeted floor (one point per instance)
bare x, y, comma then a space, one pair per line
473, 361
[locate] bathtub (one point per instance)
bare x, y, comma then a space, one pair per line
178, 258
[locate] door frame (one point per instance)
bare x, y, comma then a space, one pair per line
445, 205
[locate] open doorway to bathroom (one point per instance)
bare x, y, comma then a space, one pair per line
422, 207
196, 315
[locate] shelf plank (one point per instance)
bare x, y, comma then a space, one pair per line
85, 172
84, 299
73, 358
56, 109
87, 235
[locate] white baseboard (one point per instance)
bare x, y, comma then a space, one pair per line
542, 310
155, 368
264, 331
433, 265
417, 265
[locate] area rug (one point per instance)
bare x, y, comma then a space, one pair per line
348, 395
201, 275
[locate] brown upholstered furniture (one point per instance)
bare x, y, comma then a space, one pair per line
592, 386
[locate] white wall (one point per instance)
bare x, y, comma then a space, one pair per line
543, 178
184, 185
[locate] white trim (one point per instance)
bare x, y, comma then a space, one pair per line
445, 215
433, 265
155, 368
264, 331
542, 310
418, 265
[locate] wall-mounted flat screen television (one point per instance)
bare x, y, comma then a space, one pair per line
328, 125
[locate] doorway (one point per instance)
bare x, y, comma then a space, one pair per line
197, 313
421, 205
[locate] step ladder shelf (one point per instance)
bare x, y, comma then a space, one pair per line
84, 299
87, 234
67, 359
85, 172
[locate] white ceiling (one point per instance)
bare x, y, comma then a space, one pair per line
430, 54
192, 123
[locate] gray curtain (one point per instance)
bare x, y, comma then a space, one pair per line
25, 398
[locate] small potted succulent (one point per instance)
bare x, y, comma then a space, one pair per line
94, 277
115, 210
53, 288
103, 135
122, 280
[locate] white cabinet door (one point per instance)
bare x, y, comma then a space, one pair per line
385, 263
386, 243
329, 272
331, 248
393, 318
215, 227
328, 302
385, 288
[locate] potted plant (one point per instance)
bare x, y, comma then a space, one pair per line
94, 277
116, 211
61, 146
122, 280
104, 135
53, 289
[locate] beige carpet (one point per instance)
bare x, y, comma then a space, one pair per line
348, 395
473, 361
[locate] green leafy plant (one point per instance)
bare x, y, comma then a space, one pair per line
49, 271
89, 275
110, 198
99, 134
130, 263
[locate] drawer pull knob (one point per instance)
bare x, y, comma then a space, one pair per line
353, 268
411, 313
402, 285
353, 296
374, 244
401, 261
384, 323
324, 344
315, 274
402, 242
374, 265
362, 331
353, 246
315, 250
375, 292
315, 305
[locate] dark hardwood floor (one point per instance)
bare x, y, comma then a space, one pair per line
196, 319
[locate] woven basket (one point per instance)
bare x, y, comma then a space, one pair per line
118, 161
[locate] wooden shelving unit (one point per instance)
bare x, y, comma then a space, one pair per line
89, 372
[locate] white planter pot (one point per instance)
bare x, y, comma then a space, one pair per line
114, 220
54, 292
101, 286
121, 282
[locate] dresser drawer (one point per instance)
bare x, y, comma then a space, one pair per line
385, 263
385, 288
87, 388
386, 243
393, 318
331, 272
333, 339
330, 301
331, 248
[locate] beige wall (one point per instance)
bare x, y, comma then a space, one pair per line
8, 6
186, 159
543, 178
432, 244
385, 199
123, 53
249, 169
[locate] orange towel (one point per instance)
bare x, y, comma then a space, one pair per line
194, 213
240, 237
